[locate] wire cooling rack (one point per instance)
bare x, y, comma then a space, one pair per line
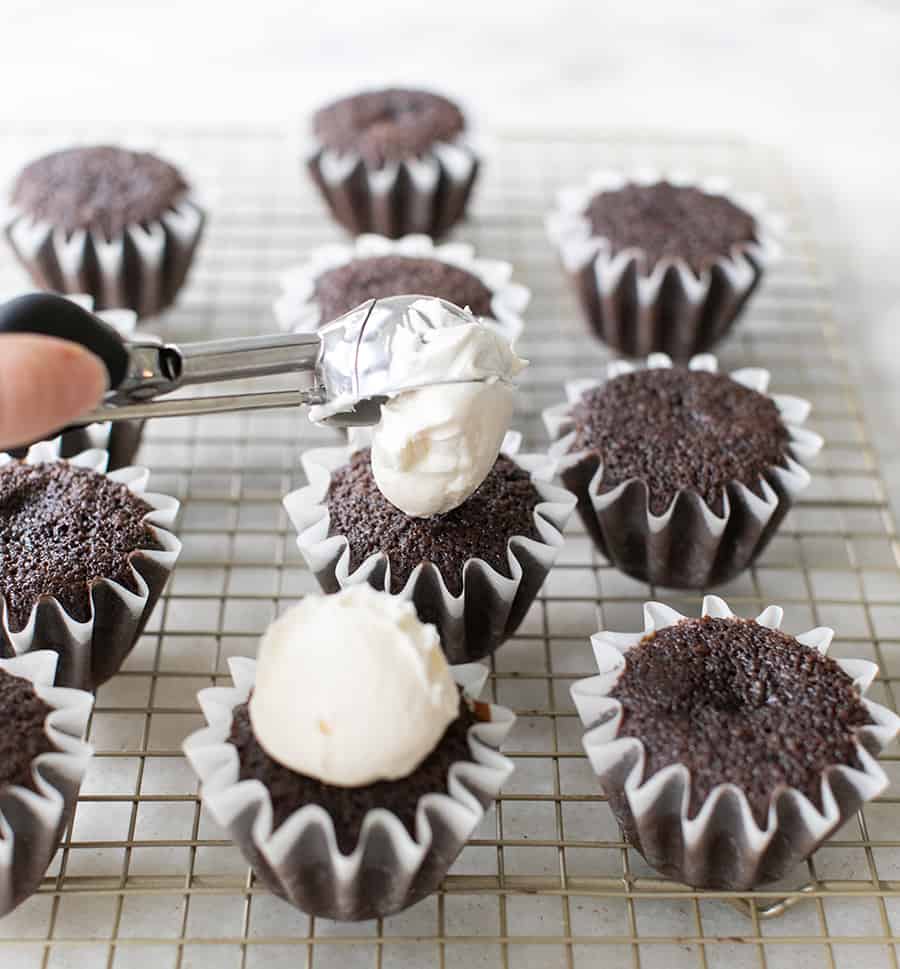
145, 880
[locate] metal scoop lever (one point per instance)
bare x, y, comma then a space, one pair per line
347, 359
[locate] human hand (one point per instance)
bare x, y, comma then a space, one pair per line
45, 384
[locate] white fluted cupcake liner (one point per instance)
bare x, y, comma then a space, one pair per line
688, 546
490, 606
722, 847
300, 861
427, 193
92, 651
638, 309
33, 821
142, 269
296, 309
120, 438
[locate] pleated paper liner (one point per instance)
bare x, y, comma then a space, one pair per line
426, 194
689, 545
33, 821
300, 861
92, 651
141, 269
722, 847
490, 606
637, 308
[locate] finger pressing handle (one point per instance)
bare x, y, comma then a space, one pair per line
47, 314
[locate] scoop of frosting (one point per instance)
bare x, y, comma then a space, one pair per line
352, 688
437, 442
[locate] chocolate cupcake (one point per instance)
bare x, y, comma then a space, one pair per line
474, 571
42, 763
661, 264
84, 557
393, 161
120, 439
120, 225
730, 751
682, 474
337, 278
357, 810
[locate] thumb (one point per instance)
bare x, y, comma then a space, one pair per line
45, 384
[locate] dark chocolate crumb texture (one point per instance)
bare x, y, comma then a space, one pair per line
24, 735
736, 702
62, 527
481, 527
670, 222
387, 126
680, 430
100, 188
348, 806
342, 289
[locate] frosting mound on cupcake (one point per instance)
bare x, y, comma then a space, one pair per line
680, 430
436, 443
101, 188
501, 508
738, 702
62, 528
352, 689
668, 221
388, 125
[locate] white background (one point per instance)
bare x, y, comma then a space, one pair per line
820, 80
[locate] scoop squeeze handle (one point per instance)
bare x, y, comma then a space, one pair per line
46, 314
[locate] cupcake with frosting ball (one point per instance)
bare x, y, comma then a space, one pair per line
349, 762
440, 508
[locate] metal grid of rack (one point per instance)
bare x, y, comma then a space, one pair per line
143, 877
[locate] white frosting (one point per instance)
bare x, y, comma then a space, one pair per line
435, 347
352, 688
435, 444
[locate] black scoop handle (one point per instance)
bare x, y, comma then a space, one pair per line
46, 314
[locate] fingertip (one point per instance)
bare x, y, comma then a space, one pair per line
45, 384
87, 379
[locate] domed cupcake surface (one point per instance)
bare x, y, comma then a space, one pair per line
61, 529
342, 289
668, 221
739, 703
679, 430
388, 125
100, 188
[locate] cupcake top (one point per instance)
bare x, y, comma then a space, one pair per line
737, 702
61, 528
668, 221
680, 430
354, 708
388, 125
101, 188
481, 527
24, 736
339, 290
